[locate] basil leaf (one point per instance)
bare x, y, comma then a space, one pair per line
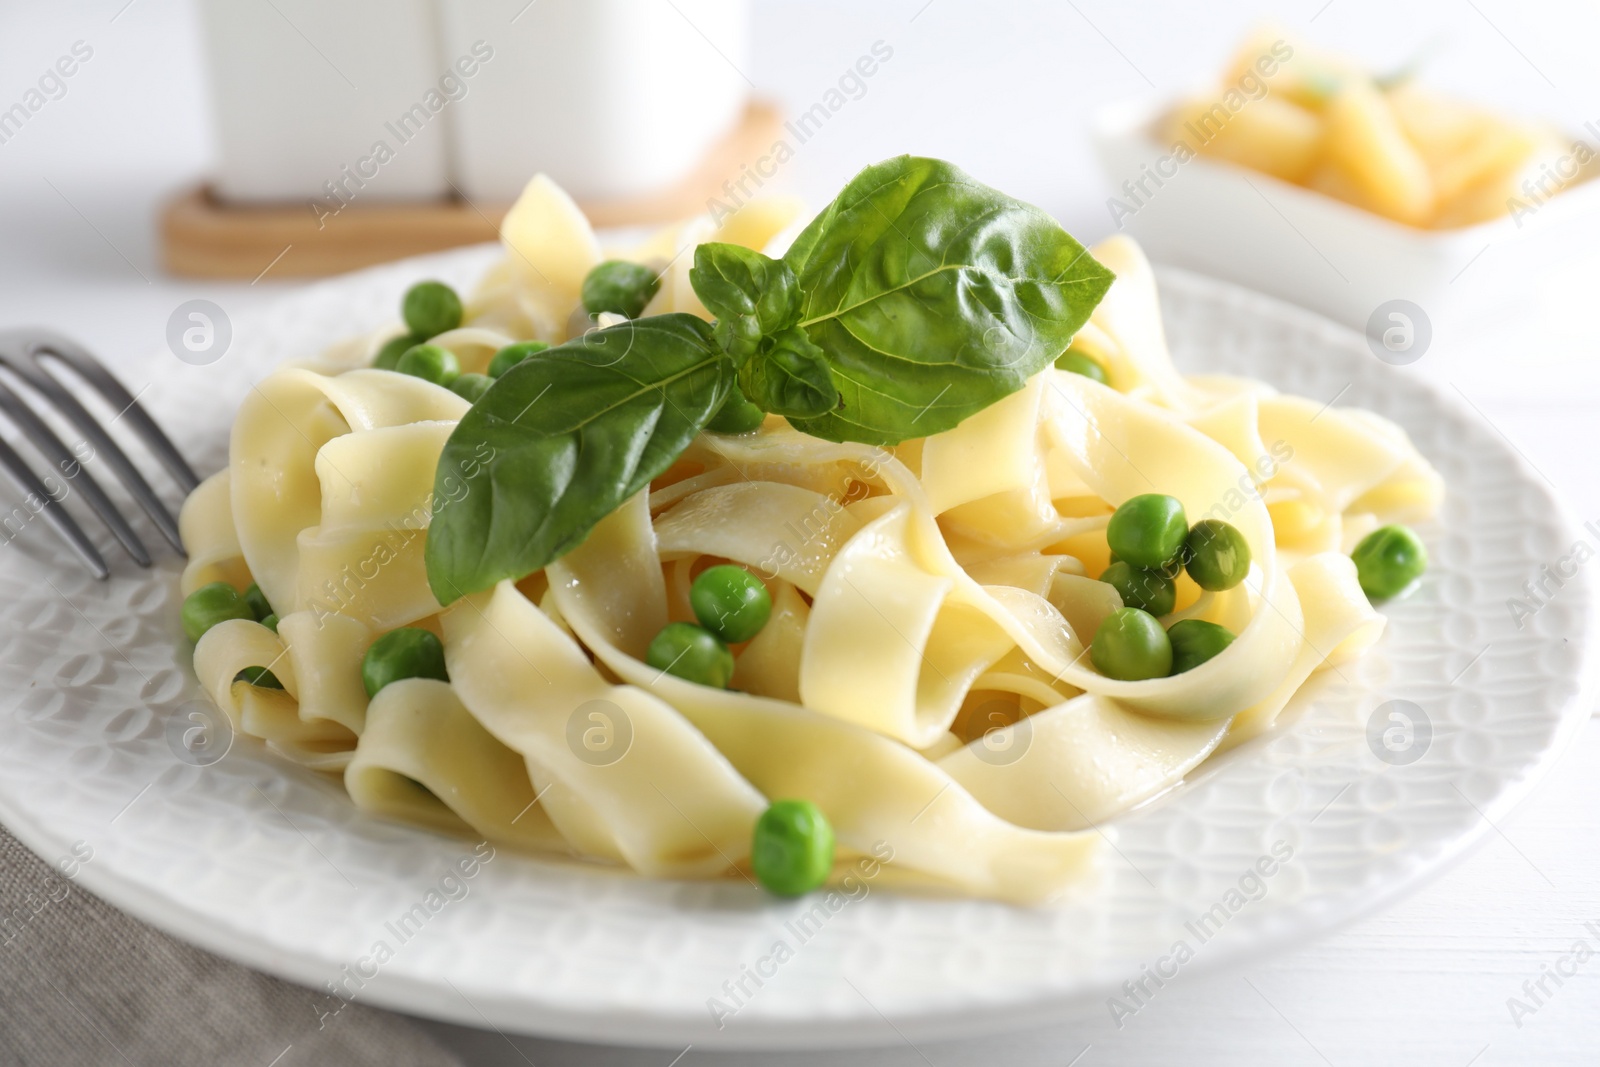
933, 296
757, 302
789, 377
561, 440
753, 296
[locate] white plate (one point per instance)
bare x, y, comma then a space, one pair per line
272, 866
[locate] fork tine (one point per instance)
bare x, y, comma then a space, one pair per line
94, 372
53, 512
30, 368
46, 441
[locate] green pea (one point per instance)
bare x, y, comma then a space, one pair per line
1148, 530
511, 355
792, 849
211, 604
404, 653
390, 353
1146, 590
1131, 646
1388, 560
1194, 641
257, 600
259, 677
430, 363
1078, 363
471, 387
1217, 556
689, 652
730, 602
619, 287
1171, 569
736, 415
431, 308
271, 623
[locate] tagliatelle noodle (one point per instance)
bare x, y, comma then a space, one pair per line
769, 666
872, 789
924, 676
273, 715
550, 248
671, 803
473, 346
425, 759
325, 652
1339, 624
205, 525
1080, 763
1127, 325
780, 531
304, 444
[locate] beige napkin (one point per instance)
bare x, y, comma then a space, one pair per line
83, 984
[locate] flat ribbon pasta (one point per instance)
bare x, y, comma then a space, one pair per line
551, 249
324, 653
671, 802
425, 759
307, 447
781, 531
1126, 329
1079, 762
889, 647
274, 715
1339, 623
473, 346
205, 525
1122, 448
925, 676
888, 794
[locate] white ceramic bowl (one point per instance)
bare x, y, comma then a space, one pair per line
1322, 253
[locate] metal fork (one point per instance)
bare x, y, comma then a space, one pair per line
26, 353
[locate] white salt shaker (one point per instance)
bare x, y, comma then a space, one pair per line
305, 92
611, 98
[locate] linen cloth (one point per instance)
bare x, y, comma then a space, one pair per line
82, 984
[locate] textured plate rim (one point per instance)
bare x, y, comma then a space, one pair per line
650, 1028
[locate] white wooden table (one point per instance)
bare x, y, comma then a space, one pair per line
1005, 90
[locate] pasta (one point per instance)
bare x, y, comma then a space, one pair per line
924, 678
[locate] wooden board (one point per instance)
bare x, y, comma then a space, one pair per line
203, 237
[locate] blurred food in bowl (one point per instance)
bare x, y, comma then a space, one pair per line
1303, 175
1380, 142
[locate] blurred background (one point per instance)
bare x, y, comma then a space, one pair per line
165, 99
270, 99
1008, 91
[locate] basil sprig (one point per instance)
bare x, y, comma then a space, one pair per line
916, 299
757, 302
